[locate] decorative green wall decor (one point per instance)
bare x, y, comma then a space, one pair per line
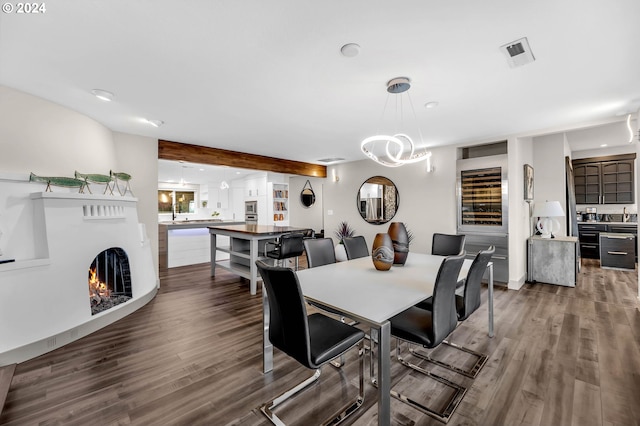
67, 182
124, 177
96, 178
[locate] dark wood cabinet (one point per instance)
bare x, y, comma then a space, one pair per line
590, 239
627, 228
604, 180
586, 179
617, 250
617, 182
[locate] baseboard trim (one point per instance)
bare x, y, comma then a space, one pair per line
516, 284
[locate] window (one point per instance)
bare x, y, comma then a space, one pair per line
184, 201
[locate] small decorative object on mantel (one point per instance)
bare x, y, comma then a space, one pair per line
96, 178
67, 182
382, 252
124, 177
343, 231
400, 240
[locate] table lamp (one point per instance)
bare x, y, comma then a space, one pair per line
547, 212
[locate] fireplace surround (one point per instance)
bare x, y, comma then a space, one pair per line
55, 237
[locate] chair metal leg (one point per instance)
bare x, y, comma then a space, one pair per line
452, 403
267, 409
336, 418
472, 372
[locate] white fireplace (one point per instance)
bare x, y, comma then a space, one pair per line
55, 237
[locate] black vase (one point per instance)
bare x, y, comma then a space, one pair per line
400, 240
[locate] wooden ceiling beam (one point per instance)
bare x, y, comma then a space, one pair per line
177, 151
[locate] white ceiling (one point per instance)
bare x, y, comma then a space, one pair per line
267, 77
173, 172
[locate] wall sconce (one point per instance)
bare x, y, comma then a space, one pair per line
547, 212
429, 168
335, 176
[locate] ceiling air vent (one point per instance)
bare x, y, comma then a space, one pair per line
330, 160
518, 52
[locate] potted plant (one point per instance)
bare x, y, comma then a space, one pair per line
344, 230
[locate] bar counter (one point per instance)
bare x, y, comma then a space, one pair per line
186, 242
246, 244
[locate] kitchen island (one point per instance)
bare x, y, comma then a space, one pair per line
186, 242
246, 243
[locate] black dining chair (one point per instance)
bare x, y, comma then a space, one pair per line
355, 247
287, 246
320, 251
429, 329
466, 303
447, 244
312, 340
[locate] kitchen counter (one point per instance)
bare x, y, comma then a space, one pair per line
245, 245
186, 242
198, 223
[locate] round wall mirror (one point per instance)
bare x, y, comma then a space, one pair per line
378, 200
307, 196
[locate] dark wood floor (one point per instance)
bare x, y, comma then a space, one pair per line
192, 356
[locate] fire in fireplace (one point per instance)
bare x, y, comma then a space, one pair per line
109, 280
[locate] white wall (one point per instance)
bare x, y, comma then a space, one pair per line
136, 155
50, 140
47, 139
427, 200
299, 215
520, 228
549, 172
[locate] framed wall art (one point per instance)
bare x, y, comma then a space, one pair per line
528, 182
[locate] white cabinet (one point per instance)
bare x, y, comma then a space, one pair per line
256, 186
223, 199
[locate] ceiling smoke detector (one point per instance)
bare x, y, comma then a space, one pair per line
518, 52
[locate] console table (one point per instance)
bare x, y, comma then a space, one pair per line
553, 260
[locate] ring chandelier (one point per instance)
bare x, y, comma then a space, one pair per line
399, 149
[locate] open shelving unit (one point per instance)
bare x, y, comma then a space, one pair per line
279, 204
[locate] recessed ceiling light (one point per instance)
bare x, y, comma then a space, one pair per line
103, 95
603, 145
350, 50
431, 105
154, 123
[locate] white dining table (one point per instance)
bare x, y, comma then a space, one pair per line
365, 294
